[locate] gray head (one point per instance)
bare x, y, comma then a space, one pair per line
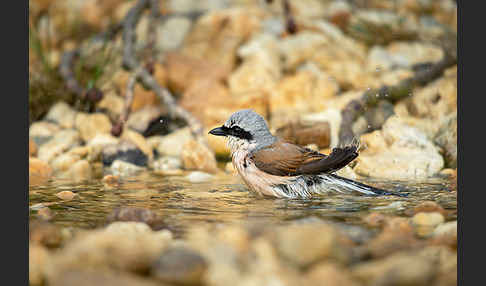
246, 125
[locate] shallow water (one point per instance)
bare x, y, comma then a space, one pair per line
224, 199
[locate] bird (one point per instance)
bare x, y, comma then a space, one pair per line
273, 167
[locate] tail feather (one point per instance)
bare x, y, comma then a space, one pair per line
348, 184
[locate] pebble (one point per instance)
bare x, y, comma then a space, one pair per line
66, 195
197, 156
199, 177
425, 222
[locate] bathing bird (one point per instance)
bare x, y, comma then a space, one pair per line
270, 166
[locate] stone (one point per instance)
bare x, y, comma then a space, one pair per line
62, 114
122, 168
120, 246
43, 129
102, 140
426, 222
446, 138
167, 163
304, 245
171, 34
134, 214
197, 156
180, 265
139, 141
403, 268
71, 166
329, 274
124, 151
171, 145
184, 71
91, 124
140, 120
66, 195
58, 144
38, 258
39, 171
32, 148
78, 277
398, 151
445, 234
113, 104
45, 233
198, 177
428, 207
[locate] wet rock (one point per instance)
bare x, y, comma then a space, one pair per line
71, 166
426, 222
398, 151
123, 168
198, 177
134, 214
171, 34
66, 195
306, 244
59, 143
43, 129
121, 246
398, 269
38, 258
196, 156
446, 138
91, 124
329, 274
62, 114
78, 277
32, 148
124, 151
171, 144
45, 233
39, 171
298, 133
167, 163
180, 265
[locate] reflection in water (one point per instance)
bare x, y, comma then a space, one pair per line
225, 199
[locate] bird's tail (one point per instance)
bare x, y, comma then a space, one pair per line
344, 184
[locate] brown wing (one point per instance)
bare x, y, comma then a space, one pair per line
286, 159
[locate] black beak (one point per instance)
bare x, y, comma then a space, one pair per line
218, 131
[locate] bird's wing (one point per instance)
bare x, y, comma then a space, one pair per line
287, 159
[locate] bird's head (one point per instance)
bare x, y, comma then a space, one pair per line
245, 127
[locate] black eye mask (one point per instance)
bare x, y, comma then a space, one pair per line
237, 132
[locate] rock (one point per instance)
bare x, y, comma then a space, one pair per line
62, 114
304, 245
103, 140
135, 214
167, 163
446, 234
198, 177
38, 258
428, 207
66, 195
77, 277
122, 168
425, 223
329, 274
45, 233
91, 124
402, 268
71, 166
375, 219
139, 141
398, 151
32, 148
171, 34
124, 151
121, 246
43, 129
181, 266
446, 138
224, 30
380, 27
185, 71
298, 133
171, 144
140, 120
39, 171
196, 156
111, 181
45, 214
113, 104
59, 143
